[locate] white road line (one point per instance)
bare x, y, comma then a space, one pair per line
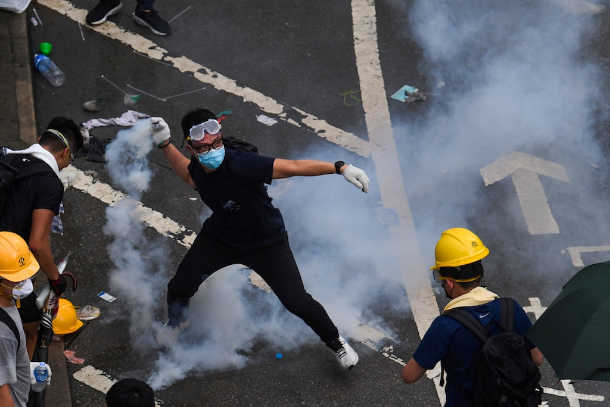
524, 169
184, 64
98, 380
537, 309
576, 252
571, 395
384, 154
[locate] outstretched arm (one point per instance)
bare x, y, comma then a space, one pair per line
289, 168
308, 168
412, 371
161, 138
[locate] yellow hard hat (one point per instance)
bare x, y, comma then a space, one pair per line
17, 263
65, 321
457, 247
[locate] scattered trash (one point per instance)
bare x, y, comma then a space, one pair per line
193, 199
130, 99
351, 95
94, 105
46, 48
34, 21
16, 6
266, 120
184, 93
80, 28
179, 14
87, 313
145, 93
408, 94
106, 297
49, 70
37, 16
127, 119
278, 356
72, 358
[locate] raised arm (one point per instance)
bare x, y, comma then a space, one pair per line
309, 168
177, 160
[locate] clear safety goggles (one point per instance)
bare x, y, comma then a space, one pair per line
198, 132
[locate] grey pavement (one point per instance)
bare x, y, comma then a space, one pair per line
301, 54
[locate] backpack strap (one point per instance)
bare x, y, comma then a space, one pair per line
6, 318
507, 314
468, 321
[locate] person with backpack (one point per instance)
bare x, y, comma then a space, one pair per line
31, 195
244, 228
479, 337
17, 266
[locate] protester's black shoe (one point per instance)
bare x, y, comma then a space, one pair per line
152, 20
103, 10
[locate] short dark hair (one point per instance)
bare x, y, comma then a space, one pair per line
69, 129
195, 117
465, 272
130, 393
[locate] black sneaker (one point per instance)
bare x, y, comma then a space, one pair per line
152, 20
103, 10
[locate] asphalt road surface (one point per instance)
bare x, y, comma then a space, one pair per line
530, 78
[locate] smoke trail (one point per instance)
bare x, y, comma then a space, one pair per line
138, 276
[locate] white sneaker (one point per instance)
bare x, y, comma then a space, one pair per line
346, 355
167, 336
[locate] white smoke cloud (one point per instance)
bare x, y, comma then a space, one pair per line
515, 79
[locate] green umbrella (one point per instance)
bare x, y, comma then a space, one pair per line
574, 332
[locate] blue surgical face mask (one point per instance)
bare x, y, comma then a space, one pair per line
213, 158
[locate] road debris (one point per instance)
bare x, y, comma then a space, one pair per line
408, 94
94, 105
179, 14
266, 120
87, 313
106, 297
72, 358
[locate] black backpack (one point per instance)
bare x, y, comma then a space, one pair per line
505, 374
15, 167
240, 145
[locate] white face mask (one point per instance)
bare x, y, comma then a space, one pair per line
23, 289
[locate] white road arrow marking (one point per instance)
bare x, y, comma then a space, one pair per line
525, 170
575, 253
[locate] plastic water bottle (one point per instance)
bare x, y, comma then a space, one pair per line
41, 373
49, 70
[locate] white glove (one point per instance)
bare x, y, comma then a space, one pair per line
33, 366
160, 131
357, 177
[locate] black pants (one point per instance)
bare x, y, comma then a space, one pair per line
275, 264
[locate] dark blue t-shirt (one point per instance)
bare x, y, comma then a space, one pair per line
456, 346
243, 215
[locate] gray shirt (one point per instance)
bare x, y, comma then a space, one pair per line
14, 364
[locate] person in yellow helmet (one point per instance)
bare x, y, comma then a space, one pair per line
459, 269
66, 321
17, 265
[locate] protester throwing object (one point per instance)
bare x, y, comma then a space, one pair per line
17, 266
473, 325
244, 228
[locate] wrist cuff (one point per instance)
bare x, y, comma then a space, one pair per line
167, 143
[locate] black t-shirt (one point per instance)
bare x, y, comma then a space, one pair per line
243, 215
39, 191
